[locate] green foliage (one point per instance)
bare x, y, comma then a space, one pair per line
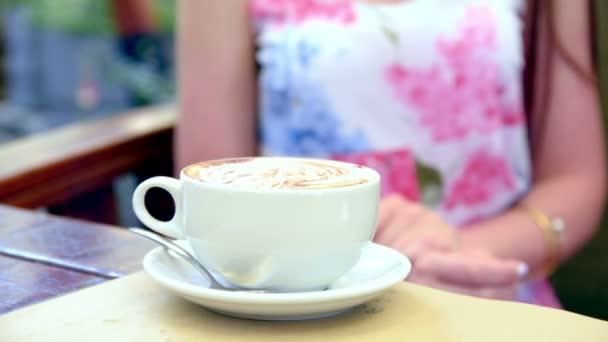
85, 16
70, 16
164, 11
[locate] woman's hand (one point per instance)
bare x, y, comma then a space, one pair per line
409, 227
470, 273
438, 257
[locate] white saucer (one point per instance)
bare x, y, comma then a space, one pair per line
378, 269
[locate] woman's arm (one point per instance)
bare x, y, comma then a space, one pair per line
216, 78
569, 168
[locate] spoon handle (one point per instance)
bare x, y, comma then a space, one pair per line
179, 251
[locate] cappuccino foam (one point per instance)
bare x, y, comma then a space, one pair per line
280, 173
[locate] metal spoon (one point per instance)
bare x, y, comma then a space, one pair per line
182, 253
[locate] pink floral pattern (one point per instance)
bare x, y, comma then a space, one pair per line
464, 93
484, 175
450, 130
396, 168
298, 11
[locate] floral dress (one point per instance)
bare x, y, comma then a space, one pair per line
427, 92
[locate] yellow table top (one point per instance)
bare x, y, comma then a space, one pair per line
135, 308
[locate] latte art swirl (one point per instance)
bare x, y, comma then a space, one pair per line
280, 173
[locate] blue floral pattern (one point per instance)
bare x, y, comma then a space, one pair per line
296, 115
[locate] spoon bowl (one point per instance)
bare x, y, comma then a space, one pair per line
182, 253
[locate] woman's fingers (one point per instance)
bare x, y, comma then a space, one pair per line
398, 217
388, 208
477, 275
425, 230
470, 271
403, 227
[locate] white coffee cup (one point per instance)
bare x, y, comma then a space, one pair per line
285, 239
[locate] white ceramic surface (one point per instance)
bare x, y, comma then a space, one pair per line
378, 269
285, 239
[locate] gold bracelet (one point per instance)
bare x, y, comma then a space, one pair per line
553, 230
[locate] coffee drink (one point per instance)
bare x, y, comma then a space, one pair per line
279, 173
286, 224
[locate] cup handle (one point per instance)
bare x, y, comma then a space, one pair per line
173, 186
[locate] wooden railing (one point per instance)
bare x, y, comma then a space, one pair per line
70, 170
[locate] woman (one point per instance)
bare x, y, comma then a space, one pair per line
430, 93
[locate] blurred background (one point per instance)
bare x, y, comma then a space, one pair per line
87, 62
72, 60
